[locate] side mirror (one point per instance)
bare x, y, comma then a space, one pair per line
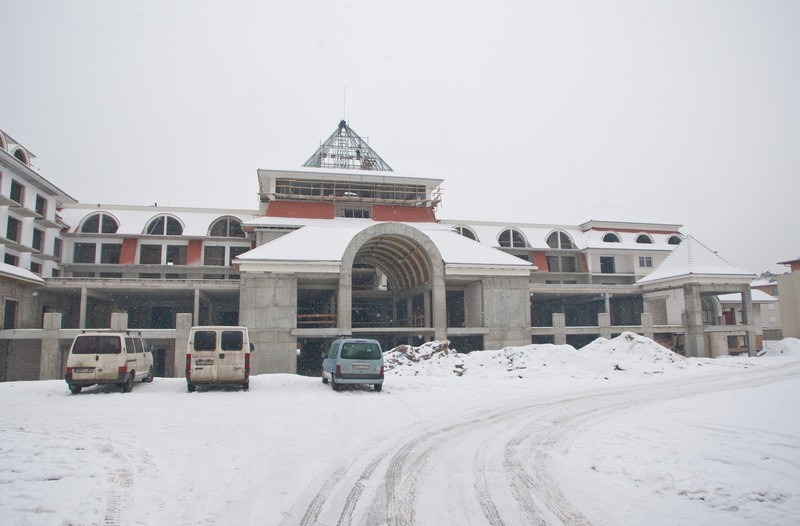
252, 347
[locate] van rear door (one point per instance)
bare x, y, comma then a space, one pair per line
204, 364
94, 357
232, 352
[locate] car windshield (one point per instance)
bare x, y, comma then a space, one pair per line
96, 345
361, 351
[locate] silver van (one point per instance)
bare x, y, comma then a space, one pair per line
118, 358
353, 361
218, 355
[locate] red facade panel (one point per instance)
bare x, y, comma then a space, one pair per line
540, 260
127, 255
300, 209
407, 214
194, 252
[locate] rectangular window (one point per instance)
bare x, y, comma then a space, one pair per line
150, 275
176, 254
607, 265
84, 253
568, 264
38, 239
11, 259
55, 273
214, 256
150, 255
17, 192
109, 253
57, 248
41, 206
36, 268
645, 261
356, 212
10, 314
12, 232
236, 251
553, 264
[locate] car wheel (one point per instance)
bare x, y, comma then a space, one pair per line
127, 387
149, 377
246, 385
190, 387
324, 380
334, 385
75, 389
378, 387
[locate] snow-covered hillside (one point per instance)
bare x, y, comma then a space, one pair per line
620, 432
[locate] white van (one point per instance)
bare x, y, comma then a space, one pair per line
218, 355
118, 358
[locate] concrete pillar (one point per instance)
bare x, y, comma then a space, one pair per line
439, 308
344, 309
604, 324
119, 321
607, 302
196, 311
748, 319
183, 322
82, 316
50, 367
693, 321
560, 328
647, 325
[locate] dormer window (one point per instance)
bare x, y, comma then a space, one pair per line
99, 224
644, 239
227, 227
22, 156
560, 239
466, 232
611, 237
164, 225
674, 240
512, 238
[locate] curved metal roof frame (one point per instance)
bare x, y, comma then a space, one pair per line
404, 262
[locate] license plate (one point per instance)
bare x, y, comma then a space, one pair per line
83, 369
360, 366
204, 362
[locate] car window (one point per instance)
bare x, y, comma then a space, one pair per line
129, 345
139, 344
232, 340
96, 345
332, 351
361, 351
205, 341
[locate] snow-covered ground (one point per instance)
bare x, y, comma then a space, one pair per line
620, 432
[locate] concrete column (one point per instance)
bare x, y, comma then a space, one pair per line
560, 327
607, 302
183, 322
693, 322
439, 308
50, 367
82, 316
604, 324
344, 308
119, 321
647, 325
747, 319
196, 311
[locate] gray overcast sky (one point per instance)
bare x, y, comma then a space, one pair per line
530, 111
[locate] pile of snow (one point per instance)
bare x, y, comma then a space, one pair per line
627, 352
784, 347
630, 351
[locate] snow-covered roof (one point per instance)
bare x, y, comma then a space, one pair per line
693, 259
10, 271
758, 296
607, 213
327, 239
133, 220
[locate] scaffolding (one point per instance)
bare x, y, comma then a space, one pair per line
345, 150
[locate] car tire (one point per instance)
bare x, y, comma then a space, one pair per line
190, 387
75, 389
149, 377
334, 385
324, 380
378, 388
127, 387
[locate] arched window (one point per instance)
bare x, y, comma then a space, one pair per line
3, 143
674, 240
611, 237
22, 156
512, 238
226, 227
466, 232
99, 224
560, 239
164, 225
644, 239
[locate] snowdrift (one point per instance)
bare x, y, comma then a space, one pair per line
785, 347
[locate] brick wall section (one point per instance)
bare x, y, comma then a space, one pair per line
300, 209
128, 254
194, 252
405, 214
540, 260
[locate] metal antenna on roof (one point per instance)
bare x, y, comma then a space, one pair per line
344, 104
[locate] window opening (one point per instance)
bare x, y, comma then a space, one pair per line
512, 238
560, 239
611, 237
644, 239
